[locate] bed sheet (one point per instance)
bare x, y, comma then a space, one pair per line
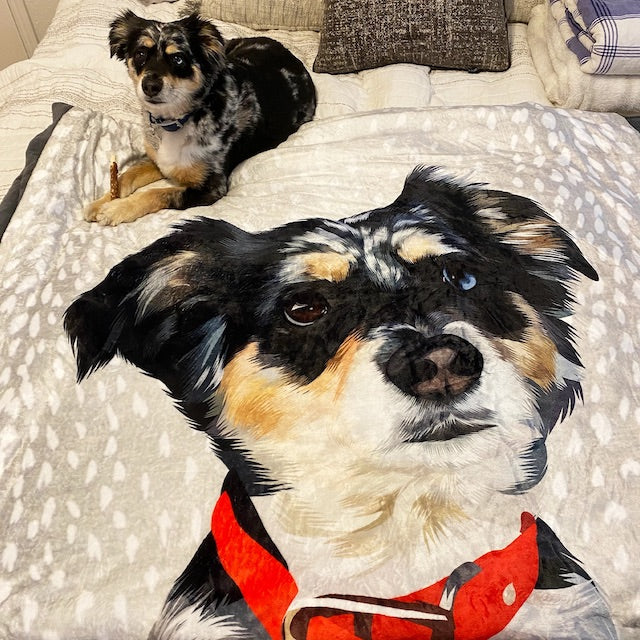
71, 65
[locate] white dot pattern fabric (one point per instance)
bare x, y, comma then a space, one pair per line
106, 492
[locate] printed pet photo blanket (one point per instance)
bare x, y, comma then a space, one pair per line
417, 408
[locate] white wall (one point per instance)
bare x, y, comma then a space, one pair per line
40, 12
22, 25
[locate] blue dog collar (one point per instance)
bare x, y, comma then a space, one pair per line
170, 125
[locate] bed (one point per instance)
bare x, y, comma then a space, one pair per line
106, 493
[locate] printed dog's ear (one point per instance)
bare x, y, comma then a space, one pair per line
210, 40
514, 220
173, 310
125, 27
532, 233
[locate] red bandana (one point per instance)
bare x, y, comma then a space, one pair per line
476, 602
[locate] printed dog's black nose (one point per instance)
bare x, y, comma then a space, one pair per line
151, 85
437, 368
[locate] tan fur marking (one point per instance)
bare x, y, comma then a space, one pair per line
191, 176
265, 403
138, 204
92, 210
187, 84
210, 40
133, 74
419, 245
139, 175
171, 49
334, 267
532, 237
150, 151
146, 41
535, 356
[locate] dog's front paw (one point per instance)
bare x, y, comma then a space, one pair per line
108, 212
114, 212
91, 211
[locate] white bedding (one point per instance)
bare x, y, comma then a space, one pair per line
105, 493
71, 65
565, 83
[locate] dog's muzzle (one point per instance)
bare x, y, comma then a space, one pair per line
151, 85
439, 368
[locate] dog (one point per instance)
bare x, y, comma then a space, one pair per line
373, 385
209, 105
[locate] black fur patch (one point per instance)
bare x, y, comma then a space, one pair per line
242, 97
183, 307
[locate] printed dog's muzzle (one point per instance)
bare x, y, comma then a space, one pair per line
437, 368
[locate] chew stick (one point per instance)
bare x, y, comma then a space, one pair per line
114, 187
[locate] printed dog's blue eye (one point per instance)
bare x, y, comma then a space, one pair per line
304, 309
459, 278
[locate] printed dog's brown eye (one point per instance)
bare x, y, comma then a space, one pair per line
303, 310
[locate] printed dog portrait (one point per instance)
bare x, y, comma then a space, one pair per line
208, 105
373, 385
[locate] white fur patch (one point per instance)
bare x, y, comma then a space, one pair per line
180, 149
155, 291
177, 623
366, 493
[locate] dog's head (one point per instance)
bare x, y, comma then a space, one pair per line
172, 63
424, 336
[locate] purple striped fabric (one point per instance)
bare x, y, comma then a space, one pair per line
604, 35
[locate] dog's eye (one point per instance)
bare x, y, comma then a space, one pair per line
178, 60
140, 56
304, 309
457, 277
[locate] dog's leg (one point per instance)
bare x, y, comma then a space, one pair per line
91, 210
196, 189
139, 175
139, 204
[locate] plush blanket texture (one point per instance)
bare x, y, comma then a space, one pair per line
107, 492
565, 83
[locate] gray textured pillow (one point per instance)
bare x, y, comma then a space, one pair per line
451, 34
292, 15
520, 10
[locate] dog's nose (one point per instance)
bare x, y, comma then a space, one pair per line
151, 85
438, 368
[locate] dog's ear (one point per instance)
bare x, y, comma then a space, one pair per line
209, 39
532, 233
513, 220
125, 27
176, 310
